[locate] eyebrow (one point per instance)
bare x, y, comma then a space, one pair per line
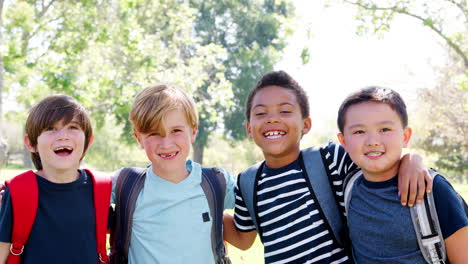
280, 104
385, 122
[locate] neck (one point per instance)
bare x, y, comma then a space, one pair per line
174, 176
59, 176
381, 176
280, 161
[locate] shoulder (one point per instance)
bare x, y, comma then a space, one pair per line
451, 213
442, 187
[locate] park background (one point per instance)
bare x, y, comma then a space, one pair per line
104, 52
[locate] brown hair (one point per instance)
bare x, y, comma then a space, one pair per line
154, 102
53, 109
284, 80
374, 94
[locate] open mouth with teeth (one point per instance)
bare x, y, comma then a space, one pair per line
274, 134
374, 154
168, 155
63, 151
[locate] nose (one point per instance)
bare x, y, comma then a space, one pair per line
272, 117
62, 133
372, 139
166, 141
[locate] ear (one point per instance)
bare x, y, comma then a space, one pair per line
193, 136
137, 135
248, 130
407, 136
307, 125
341, 139
28, 145
91, 140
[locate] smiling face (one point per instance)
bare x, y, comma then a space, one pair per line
374, 136
276, 125
60, 146
169, 147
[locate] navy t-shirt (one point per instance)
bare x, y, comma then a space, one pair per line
381, 230
64, 229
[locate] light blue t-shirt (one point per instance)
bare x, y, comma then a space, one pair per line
168, 226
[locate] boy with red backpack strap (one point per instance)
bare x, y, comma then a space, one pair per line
58, 213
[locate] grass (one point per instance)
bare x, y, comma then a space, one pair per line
255, 253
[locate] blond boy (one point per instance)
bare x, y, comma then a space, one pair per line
170, 223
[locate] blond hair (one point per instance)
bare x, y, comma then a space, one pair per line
153, 103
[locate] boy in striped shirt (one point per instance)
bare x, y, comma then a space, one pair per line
288, 216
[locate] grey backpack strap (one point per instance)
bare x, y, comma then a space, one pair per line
127, 188
214, 186
348, 188
247, 183
427, 228
320, 187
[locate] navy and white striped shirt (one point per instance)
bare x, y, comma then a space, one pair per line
291, 226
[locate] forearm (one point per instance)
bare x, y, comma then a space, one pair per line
4, 251
456, 246
241, 240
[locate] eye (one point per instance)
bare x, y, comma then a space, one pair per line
75, 127
385, 129
153, 134
260, 113
358, 132
49, 129
177, 130
285, 112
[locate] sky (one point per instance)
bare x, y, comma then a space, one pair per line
341, 62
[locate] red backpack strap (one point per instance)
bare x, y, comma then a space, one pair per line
102, 187
24, 201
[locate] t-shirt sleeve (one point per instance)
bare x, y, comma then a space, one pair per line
229, 198
6, 217
452, 215
242, 219
338, 165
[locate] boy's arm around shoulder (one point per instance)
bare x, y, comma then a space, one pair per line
414, 179
241, 240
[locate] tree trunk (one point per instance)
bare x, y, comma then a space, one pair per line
3, 145
198, 153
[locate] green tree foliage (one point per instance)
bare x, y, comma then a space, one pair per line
447, 18
252, 34
443, 122
103, 52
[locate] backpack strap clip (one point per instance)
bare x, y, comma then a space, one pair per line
16, 249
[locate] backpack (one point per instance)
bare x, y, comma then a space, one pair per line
424, 218
319, 186
127, 188
25, 195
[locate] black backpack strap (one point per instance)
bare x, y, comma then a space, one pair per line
127, 188
214, 186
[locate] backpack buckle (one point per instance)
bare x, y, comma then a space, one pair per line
103, 259
15, 250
